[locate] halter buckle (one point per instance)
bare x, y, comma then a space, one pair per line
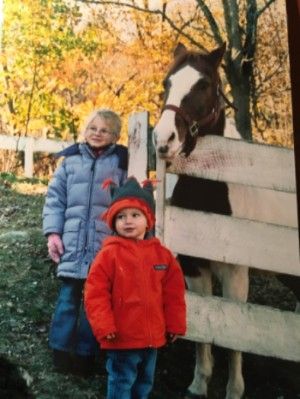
194, 129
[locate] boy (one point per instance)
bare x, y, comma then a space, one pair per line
70, 222
134, 293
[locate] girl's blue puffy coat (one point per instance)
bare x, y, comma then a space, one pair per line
75, 201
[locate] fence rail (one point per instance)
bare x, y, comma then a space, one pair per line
245, 327
232, 240
31, 145
240, 162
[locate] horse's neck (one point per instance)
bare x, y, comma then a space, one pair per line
217, 128
201, 194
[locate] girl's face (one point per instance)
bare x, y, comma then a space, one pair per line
99, 133
131, 223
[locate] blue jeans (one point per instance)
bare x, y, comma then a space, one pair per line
130, 373
70, 330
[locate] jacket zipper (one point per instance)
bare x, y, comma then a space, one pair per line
89, 203
147, 311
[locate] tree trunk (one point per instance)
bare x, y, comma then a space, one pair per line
242, 117
241, 93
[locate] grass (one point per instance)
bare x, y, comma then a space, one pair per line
28, 291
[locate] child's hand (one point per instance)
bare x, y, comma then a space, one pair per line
171, 337
111, 336
55, 247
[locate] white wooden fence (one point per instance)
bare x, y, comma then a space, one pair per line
260, 244
30, 145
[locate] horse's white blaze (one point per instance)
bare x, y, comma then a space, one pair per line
163, 131
181, 83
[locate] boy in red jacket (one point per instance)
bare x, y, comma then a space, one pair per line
134, 293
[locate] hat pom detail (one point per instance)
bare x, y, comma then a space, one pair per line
107, 183
150, 183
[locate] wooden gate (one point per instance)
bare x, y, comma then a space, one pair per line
260, 244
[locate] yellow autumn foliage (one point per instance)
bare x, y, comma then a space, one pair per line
58, 62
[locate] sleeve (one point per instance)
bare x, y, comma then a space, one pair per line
174, 299
55, 203
98, 297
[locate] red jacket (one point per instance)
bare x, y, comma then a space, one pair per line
136, 290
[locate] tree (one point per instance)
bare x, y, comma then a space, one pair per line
59, 63
38, 37
209, 24
60, 60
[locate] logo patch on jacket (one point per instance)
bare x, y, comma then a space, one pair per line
160, 267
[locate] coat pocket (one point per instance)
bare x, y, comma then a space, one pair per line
101, 231
70, 239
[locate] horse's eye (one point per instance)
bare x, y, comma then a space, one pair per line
172, 137
166, 84
202, 85
161, 95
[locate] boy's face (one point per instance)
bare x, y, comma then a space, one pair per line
99, 133
131, 223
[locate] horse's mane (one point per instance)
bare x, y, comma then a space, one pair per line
196, 59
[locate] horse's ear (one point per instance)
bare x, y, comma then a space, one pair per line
216, 55
180, 49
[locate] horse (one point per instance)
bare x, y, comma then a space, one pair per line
194, 106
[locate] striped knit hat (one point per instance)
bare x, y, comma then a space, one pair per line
130, 195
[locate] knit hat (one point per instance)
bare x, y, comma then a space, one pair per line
130, 195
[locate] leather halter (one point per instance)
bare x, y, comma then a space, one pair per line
194, 125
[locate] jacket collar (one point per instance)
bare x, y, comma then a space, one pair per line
84, 148
129, 243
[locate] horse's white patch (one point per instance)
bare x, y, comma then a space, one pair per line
181, 83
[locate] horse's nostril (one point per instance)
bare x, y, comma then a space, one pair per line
163, 150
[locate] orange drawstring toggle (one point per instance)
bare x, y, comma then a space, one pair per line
107, 183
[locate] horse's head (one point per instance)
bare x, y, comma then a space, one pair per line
192, 102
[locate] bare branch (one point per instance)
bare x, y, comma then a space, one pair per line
147, 10
117, 91
267, 78
211, 20
267, 5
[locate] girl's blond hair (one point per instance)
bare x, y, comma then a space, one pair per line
107, 115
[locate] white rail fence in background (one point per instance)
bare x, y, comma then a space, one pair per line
261, 244
30, 145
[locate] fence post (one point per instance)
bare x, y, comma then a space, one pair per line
137, 145
28, 157
160, 198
